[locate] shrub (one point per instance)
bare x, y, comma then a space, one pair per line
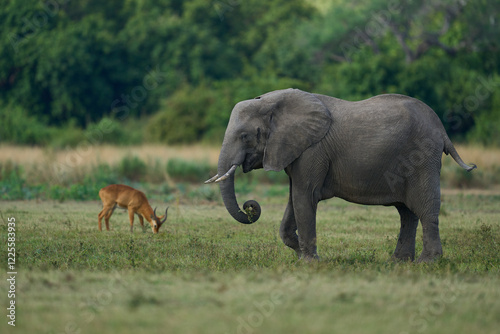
201, 113
487, 124
132, 168
18, 127
106, 130
187, 171
182, 118
156, 172
112, 131
57, 192
103, 174
67, 136
206, 193
11, 181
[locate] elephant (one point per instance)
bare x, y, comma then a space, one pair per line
385, 150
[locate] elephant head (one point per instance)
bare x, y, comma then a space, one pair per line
269, 132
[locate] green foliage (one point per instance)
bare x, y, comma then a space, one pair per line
179, 178
69, 135
183, 117
132, 168
104, 174
79, 192
171, 71
109, 131
11, 181
201, 113
188, 171
118, 58
20, 127
205, 193
487, 124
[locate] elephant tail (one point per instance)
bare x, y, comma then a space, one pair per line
450, 149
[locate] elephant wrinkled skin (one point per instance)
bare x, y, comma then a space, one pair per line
385, 150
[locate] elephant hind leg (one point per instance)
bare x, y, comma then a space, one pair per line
427, 209
426, 205
432, 242
405, 248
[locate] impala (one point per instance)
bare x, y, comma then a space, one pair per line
133, 200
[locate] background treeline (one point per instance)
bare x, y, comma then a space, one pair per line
170, 71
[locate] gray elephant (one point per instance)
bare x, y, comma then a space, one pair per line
385, 150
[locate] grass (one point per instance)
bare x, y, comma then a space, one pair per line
109, 154
63, 181
78, 174
205, 273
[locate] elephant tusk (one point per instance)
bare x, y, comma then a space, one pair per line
212, 180
228, 174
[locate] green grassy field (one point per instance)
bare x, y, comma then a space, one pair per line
205, 273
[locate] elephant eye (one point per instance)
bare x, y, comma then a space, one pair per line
258, 134
244, 137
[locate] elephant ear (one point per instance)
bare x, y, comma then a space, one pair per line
297, 121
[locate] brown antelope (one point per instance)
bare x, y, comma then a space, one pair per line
133, 200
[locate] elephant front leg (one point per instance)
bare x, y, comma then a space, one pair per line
305, 216
288, 229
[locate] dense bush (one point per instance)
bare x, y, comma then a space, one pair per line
487, 124
187, 171
201, 113
12, 182
171, 71
18, 126
132, 168
183, 116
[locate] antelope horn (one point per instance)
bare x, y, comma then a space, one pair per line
228, 174
212, 179
164, 218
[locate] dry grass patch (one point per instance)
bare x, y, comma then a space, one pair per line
109, 154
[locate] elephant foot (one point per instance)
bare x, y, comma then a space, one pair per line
403, 257
309, 258
306, 258
432, 250
299, 253
428, 257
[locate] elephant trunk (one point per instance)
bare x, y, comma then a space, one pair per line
251, 209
